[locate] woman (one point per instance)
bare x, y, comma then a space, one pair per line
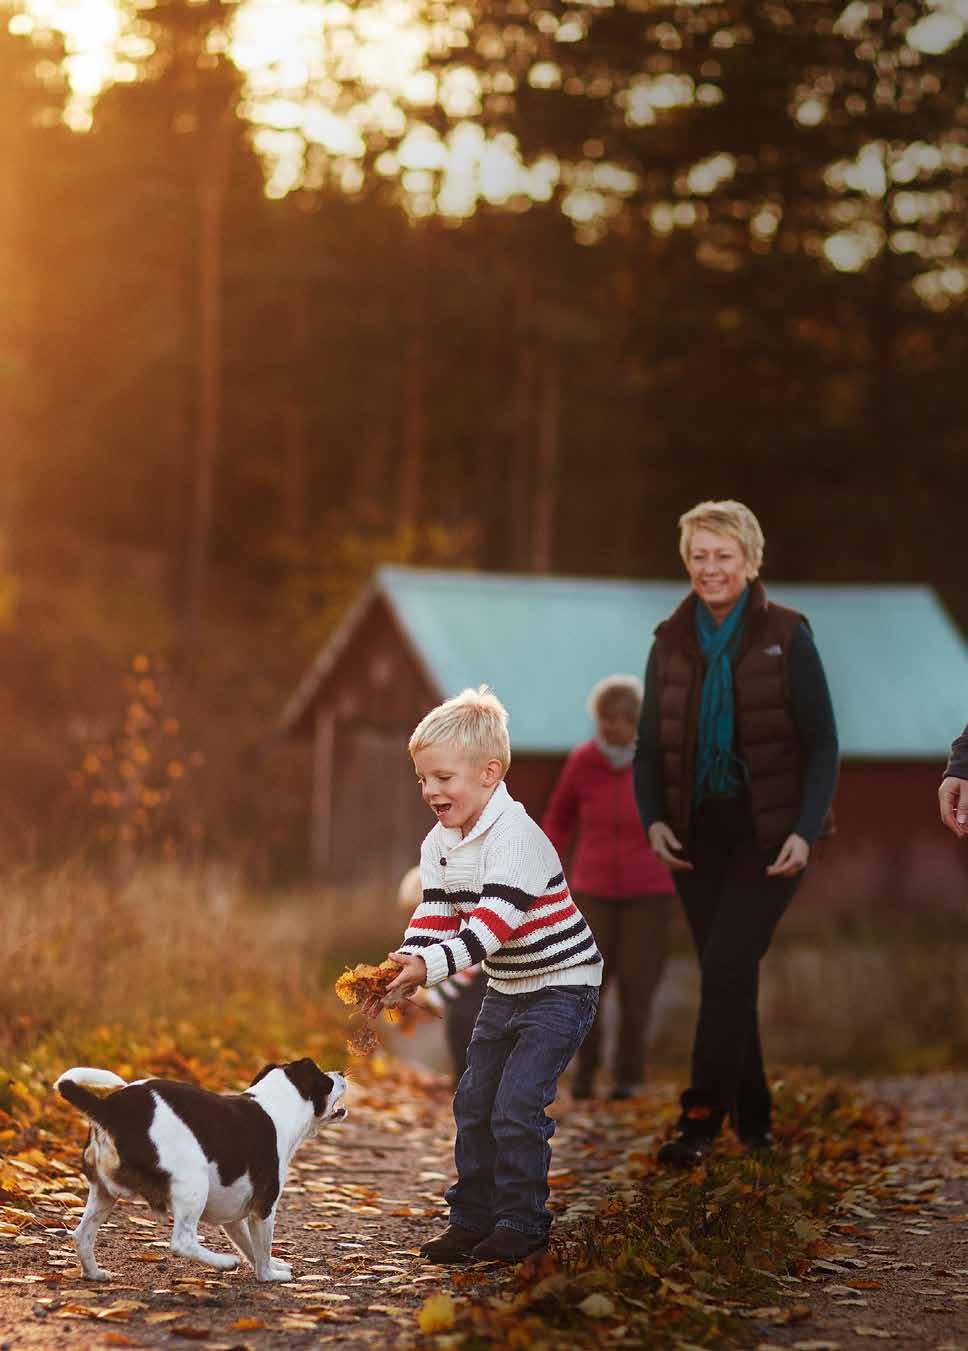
620, 886
735, 771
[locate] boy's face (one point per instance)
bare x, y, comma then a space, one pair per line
455, 786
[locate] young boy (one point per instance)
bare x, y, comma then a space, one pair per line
494, 892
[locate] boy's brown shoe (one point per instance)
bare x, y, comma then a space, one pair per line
508, 1245
453, 1245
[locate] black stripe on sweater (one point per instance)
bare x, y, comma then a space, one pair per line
451, 960
541, 944
557, 959
555, 881
463, 897
521, 900
438, 896
475, 948
424, 941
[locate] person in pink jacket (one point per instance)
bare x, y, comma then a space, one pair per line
621, 887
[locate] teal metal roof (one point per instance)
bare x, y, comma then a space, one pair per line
897, 665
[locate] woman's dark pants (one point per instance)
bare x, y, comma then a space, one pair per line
460, 1015
732, 908
632, 934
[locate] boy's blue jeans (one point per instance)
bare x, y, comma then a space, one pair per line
521, 1044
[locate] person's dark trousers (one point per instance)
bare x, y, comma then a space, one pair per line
521, 1044
733, 909
633, 937
460, 1015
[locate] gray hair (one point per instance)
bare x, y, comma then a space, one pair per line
628, 685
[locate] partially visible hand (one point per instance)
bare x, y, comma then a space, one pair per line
413, 974
791, 859
663, 841
953, 799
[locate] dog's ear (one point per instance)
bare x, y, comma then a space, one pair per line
266, 1069
312, 1083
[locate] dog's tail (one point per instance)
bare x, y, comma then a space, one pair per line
86, 1089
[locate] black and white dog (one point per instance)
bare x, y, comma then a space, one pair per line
207, 1156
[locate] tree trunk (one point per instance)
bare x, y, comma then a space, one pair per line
415, 396
549, 432
523, 434
213, 179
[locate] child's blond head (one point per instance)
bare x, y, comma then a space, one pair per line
474, 722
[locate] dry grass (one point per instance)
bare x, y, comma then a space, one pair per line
173, 947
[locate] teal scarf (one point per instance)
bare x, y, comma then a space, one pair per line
718, 771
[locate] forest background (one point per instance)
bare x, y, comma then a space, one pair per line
511, 294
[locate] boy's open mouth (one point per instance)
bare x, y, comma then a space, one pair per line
442, 808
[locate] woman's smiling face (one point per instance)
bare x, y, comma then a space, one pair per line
718, 570
455, 786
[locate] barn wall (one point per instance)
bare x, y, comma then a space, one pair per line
368, 706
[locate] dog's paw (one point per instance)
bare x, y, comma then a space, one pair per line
98, 1274
226, 1263
279, 1271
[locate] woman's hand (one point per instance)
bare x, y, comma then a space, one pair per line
953, 799
663, 841
791, 859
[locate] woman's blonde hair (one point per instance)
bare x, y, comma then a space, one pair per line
627, 688
474, 721
724, 518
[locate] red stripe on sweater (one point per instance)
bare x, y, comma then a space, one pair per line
439, 923
497, 926
553, 898
546, 921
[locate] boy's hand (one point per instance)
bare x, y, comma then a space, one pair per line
412, 974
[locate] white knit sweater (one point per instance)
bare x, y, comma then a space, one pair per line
499, 896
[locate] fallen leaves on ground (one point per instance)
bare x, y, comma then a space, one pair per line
701, 1257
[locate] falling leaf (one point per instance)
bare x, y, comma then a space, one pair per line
438, 1313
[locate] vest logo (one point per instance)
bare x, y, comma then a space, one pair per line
775, 651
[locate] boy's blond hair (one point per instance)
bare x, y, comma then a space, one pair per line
724, 518
474, 721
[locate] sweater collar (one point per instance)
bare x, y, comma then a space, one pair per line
498, 803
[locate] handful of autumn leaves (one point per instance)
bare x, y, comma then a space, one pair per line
363, 982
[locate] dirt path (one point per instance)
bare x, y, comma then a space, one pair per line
359, 1201
364, 1195
900, 1272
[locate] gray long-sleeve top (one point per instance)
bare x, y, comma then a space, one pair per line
813, 715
